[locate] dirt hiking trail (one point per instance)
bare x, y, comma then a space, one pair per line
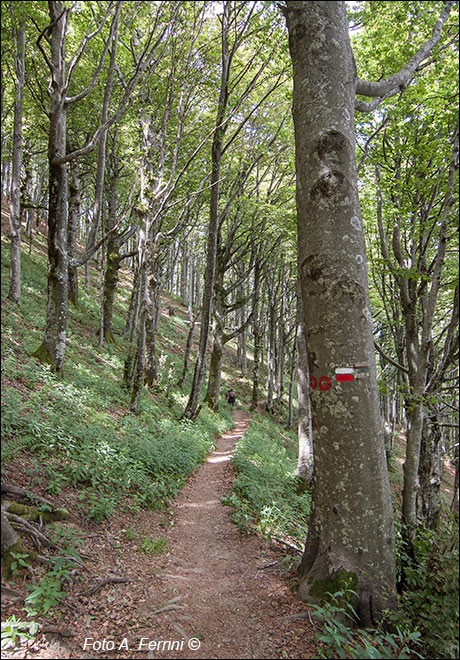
229, 600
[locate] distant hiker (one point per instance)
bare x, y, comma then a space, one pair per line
231, 398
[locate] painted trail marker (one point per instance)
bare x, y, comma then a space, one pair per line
348, 374
345, 374
342, 375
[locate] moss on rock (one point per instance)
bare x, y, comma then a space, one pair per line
32, 514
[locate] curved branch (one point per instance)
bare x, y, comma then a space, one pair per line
399, 81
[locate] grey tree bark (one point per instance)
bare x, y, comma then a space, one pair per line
256, 332
52, 349
15, 209
304, 430
350, 543
271, 346
72, 229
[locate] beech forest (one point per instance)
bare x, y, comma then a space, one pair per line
230, 307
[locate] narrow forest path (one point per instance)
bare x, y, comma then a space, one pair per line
217, 581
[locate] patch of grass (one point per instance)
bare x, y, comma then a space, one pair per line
153, 546
130, 533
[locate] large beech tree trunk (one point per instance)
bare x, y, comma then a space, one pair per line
52, 349
350, 541
15, 210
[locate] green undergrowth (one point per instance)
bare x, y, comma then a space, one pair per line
339, 637
430, 601
73, 439
265, 496
73, 430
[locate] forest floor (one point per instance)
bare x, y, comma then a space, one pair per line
212, 593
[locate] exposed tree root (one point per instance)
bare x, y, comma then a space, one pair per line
10, 594
32, 514
38, 538
26, 519
111, 579
56, 630
26, 494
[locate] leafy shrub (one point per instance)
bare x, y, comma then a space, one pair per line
48, 593
14, 630
338, 639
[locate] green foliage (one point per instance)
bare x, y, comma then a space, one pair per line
338, 640
48, 592
130, 533
264, 495
431, 599
19, 560
74, 430
14, 630
100, 505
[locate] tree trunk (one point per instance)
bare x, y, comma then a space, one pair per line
243, 353
215, 366
292, 369
72, 231
152, 317
133, 307
429, 495
52, 349
112, 268
415, 412
454, 503
257, 338
271, 359
280, 346
184, 271
199, 375
138, 370
188, 346
15, 210
350, 542
215, 371
305, 431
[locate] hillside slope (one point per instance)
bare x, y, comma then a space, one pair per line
68, 440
